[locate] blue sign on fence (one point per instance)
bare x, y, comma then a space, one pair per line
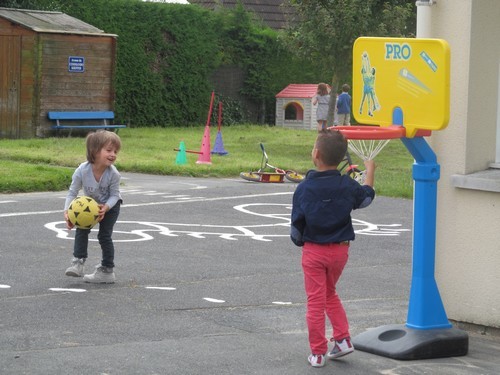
76, 64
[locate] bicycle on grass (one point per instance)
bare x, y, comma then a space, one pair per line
270, 173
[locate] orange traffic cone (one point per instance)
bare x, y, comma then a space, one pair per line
204, 157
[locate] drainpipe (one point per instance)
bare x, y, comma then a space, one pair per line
424, 18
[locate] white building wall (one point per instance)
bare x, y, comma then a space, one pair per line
468, 220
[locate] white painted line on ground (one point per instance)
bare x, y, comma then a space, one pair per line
282, 303
161, 287
12, 214
68, 290
31, 213
214, 300
3, 286
145, 192
204, 199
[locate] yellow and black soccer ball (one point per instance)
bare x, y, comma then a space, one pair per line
83, 212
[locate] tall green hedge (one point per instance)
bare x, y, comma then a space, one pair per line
166, 53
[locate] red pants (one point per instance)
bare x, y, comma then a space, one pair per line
323, 265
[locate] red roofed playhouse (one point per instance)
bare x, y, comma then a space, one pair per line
294, 108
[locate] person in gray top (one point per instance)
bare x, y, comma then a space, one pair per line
322, 100
99, 179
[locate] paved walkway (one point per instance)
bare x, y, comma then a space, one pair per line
208, 282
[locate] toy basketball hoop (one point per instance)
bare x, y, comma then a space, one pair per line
367, 141
393, 79
368, 132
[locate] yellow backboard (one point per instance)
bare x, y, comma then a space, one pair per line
412, 74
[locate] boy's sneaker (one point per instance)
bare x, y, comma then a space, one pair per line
341, 348
101, 275
316, 360
76, 268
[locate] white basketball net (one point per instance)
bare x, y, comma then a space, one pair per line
367, 149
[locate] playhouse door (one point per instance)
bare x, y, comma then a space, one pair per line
9, 86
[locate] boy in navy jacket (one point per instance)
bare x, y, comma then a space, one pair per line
321, 223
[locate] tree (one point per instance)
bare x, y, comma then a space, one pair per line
267, 65
325, 30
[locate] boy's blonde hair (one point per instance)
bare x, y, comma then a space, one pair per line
98, 140
332, 146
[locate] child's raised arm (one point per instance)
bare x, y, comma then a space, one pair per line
370, 172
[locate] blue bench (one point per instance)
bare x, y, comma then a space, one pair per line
70, 119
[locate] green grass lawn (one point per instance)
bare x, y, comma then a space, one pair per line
47, 164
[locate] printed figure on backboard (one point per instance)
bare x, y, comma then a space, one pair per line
368, 74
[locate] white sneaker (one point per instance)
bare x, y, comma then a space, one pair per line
341, 348
101, 275
316, 360
76, 268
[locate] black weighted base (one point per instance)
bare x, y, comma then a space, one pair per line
397, 341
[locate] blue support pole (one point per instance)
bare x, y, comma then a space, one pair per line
425, 308
427, 332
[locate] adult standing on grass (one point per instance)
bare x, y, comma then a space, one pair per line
99, 179
321, 224
344, 106
322, 100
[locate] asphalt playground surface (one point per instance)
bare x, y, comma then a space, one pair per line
208, 282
